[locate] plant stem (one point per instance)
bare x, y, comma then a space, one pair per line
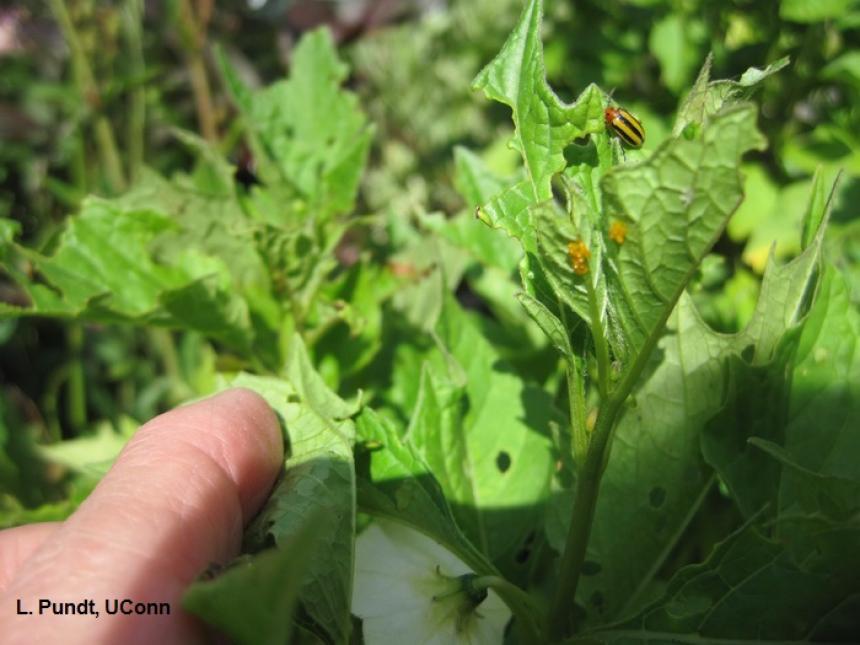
90, 95
519, 602
132, 18
588, 483
585, 502
76, 402
162, 340
193, 28
591, 460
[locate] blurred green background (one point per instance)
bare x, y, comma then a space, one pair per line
92, 91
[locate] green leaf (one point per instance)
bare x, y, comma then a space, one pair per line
310, 130
754, 75
490, 250
821, 438
9, 228
555, 231
544, 124
656, 478
754, 586
319, 476
478, 185
213, 175
549, 324
817, 11
207, 219
253, 601
670, 42
474, 181
672, 223
104, 270
489, 259
358, 297
310, 387
504, 440
707, 97
435, 427
92, 454
510, 211
79, 489
816, 209
807, 493
758, 384
396, 483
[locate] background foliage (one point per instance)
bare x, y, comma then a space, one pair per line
188, 193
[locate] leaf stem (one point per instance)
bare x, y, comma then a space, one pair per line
576, 402
601, 347
519, 602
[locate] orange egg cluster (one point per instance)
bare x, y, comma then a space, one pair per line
618, 232
579, 255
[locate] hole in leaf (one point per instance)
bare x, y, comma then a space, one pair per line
591, 568
469, 299
503, 461
582, 151
523, 555
558, 193
597, 601
748, 353
657, 496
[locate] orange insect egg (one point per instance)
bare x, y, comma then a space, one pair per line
618, 232
579, 255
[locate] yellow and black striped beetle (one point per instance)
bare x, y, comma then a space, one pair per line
625, 126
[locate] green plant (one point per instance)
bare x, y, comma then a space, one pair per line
584, 448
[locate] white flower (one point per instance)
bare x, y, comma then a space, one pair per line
409, 587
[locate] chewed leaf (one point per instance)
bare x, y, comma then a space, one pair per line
707, 97
319, 479
309, 131
753, 585
396, 483
104, 270
656, 476
674, 205
492, 446
758, 387
510, 211
755, 75
544, 124
253, 601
